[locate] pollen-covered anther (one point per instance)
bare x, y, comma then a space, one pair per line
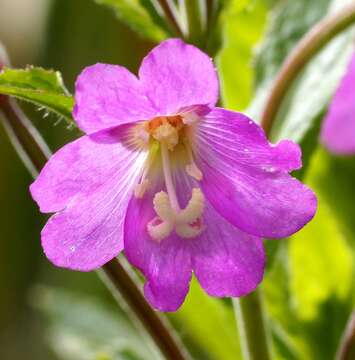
168, 134
190, 118
186, 222
141, 188
194, 171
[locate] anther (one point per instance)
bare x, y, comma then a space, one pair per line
190, 118
168, 134
141, 188
194, 171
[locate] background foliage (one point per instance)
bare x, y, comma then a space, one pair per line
48, 313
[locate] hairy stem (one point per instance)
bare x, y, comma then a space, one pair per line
346, 349
311, 43
29, 144
35, 153
252, 327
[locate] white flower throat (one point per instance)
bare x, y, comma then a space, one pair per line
168, 131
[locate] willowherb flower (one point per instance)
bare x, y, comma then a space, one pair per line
178, 183
338, 132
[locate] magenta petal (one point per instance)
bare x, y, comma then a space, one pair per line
82, 166
176, 75
89, 231
107, 96
338, 133
166, 265
226, 261
246, 179
90, 181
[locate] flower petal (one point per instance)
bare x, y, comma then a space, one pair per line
246, 179
338, 132
176, 75
166, 265
107, 96
89, 231
90, 182
226, 261
82, 166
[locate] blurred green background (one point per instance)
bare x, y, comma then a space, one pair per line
49, 313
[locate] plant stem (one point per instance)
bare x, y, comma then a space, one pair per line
172, 17
29, 144
249, 312
160, 331
346, 349
252, 327
311, 43
196, 22
35, 153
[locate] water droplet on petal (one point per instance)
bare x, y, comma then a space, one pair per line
269, 169
72, 248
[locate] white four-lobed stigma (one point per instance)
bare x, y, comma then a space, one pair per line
186, 222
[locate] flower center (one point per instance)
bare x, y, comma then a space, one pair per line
166, 129
186, 222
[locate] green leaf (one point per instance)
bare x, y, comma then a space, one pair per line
136, 15
81, 328
41, 87
243, 27
316, 274
310, 286
333, 179
209, 324
311, 92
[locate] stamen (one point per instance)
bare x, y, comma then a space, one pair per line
194, 171
168, 134
192, 168
190, 118
141, 188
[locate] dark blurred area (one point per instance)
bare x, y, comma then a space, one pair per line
65, 35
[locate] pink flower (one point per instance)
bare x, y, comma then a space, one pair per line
178, 183
338, 132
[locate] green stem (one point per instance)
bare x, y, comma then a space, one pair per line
196, 21
346, 349
311, 43
171, 14
35, 153
249, 311
252, 327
